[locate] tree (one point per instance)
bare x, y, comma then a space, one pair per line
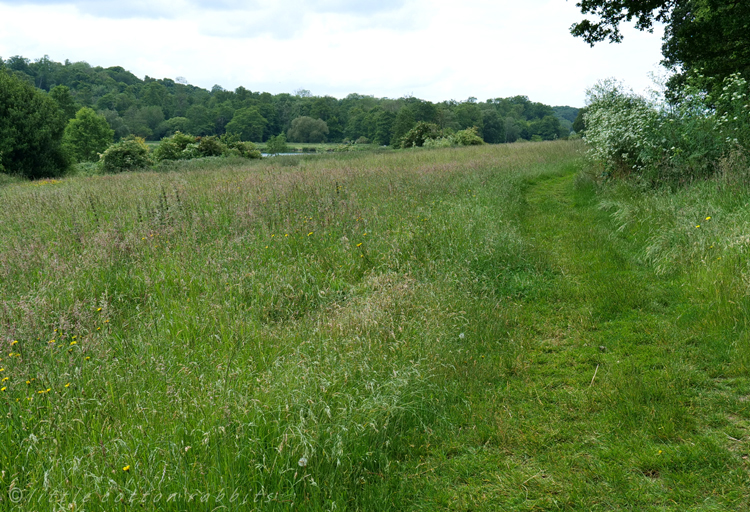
613, 12
702, 37
87, 135
307, 129
61, 94
248, 124
31, 130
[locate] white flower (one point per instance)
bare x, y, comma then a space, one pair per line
302, 462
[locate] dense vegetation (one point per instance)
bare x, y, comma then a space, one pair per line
153, 109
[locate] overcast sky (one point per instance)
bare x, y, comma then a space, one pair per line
434, 50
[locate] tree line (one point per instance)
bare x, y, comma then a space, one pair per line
155, 108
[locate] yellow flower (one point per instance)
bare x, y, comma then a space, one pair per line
3, 388
87, 358
126, 468
359, 244
5, 378
698, 225
310, 233
98, 310
73, 343
708, 218
67, 385
15, 342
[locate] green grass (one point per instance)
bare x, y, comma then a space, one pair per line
464, 329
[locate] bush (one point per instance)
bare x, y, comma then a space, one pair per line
235, 147
276, 145
129, 154
468, 137
173, 148
421, 132
667, 143
211, 146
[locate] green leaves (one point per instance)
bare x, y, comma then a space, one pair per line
31, 129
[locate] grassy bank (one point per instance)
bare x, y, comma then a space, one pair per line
462, 329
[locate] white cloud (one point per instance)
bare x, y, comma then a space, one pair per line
436, 50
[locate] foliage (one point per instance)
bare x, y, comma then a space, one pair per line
276, 145
174, 147
709, 37
619, 123
158, 108
31, 130
235, 147
129, 154
210, 145
248, 124
468, 137
421, 132
61, 94
87, 136
307, 129
676, 142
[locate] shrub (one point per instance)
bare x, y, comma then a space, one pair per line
211, 146
173, 148
236, 147
421, 132
468, 137
129, 154
276, 145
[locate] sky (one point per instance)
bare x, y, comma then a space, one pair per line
431, 49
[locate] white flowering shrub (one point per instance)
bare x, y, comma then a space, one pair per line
667, 143
618, 127
733, 111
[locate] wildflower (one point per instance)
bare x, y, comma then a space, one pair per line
302, 462
310, 233
51, 341
126, 468
73, 343
461, 336
697, 225
359, 244
67, 385
87, 358
14, 342
98, 328
3, 388
708, 218
98, 310
5, 378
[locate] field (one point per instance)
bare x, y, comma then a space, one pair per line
485, 328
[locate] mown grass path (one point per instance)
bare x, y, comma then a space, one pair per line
596, 387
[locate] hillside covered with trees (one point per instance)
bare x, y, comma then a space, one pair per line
155, 108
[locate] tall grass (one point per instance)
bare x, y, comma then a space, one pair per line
271, 334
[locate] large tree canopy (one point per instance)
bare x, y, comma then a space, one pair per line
702, 37
31, 130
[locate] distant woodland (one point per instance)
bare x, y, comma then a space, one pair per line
156, 108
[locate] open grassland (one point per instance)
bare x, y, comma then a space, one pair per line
464, 329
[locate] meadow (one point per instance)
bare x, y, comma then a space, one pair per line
479, 328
